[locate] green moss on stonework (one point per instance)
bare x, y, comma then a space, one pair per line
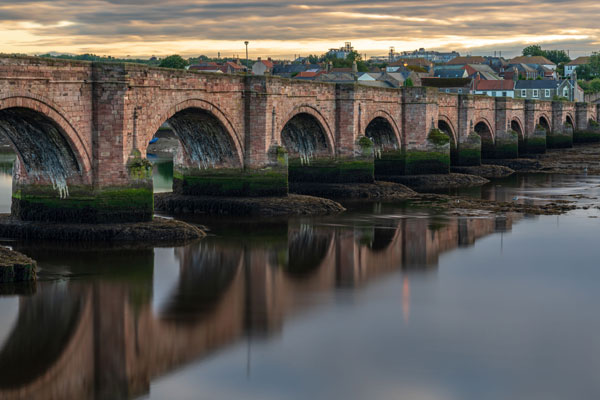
586, 136
535, 145
469, 157
39, 203
140, 168
332, 171
231, 182
559, 141
507, 150
438, 138
390, 163
427, 162
365, 142
593, 124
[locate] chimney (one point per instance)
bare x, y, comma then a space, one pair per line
329, 66
354, 67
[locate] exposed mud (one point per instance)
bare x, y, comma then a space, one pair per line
485, 171
582, 158
15, 267
384, 191
247, 206
159, 230
426, 183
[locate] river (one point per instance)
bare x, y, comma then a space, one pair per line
384, 301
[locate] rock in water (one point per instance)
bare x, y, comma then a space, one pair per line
15, 267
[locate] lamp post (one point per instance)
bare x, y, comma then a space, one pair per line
246, 43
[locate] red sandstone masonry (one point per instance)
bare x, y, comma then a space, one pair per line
107, 110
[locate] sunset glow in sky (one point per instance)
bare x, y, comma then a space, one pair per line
282, 29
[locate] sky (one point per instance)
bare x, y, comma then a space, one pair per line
141, 28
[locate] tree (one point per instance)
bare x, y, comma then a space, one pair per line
174, 61
408, 83
533, 50
557, 56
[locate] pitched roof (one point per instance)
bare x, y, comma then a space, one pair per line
541, 60
537, 84
580, 61
494, 85
419, 62
449, 73
446, 83
466, 60
268, 63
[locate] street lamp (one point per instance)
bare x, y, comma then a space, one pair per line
246, 43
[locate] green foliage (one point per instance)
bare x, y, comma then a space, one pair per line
556, 56
408, 83
592, 86
559, 98
438, 137
346, 62
174, 61
590, 71
93, 57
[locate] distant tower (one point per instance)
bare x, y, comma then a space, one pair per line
392, 51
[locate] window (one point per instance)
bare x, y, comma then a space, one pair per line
547, 93
504, 94
524, 93
447, 90
459, 90
536, 93
566, 92
494, 94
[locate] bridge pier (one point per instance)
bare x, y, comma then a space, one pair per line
561, 136
587, 128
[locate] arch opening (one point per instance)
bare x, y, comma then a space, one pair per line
204, 140
516, 127
569, 123
487, 140
41, 147
543, 122
307, 249
447, 129
304, 138
381, 132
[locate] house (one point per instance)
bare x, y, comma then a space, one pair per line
536, 89
432, 56
494, 88
484, 71
342, 52
572, 66
308, 75
467, 60
422, 63
570, 90
450, 73
231, 67
497, 64
449, 85
522, 71
533, 60
262, 67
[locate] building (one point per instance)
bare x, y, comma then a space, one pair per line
533, 60
262, 67
431, 56
342, 52
494, 88
572, 66
467, 60
449, 85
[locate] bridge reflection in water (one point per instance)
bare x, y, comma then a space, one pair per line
90, 330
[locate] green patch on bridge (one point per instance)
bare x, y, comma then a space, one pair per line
83, 205
230, 182
325, 170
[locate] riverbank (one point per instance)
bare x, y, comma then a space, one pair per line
291, 205
15, 267
435, 182
382, 191
157, 231
580, 159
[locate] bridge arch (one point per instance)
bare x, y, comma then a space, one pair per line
544, 122
383, 131
207, 136
517, 126
306, 133
484, 130
46, 142
570, 120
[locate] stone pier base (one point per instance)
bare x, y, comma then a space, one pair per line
391, 162
535, 143
433, 158
560, 139
469, 151
340, 170
230, 182
507, 145
83, 204
590, 135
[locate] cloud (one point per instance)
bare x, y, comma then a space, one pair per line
279, 28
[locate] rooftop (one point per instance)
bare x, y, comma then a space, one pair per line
540, 60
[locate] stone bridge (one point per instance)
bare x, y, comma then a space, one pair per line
81, 131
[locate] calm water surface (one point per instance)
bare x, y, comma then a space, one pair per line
382, 302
